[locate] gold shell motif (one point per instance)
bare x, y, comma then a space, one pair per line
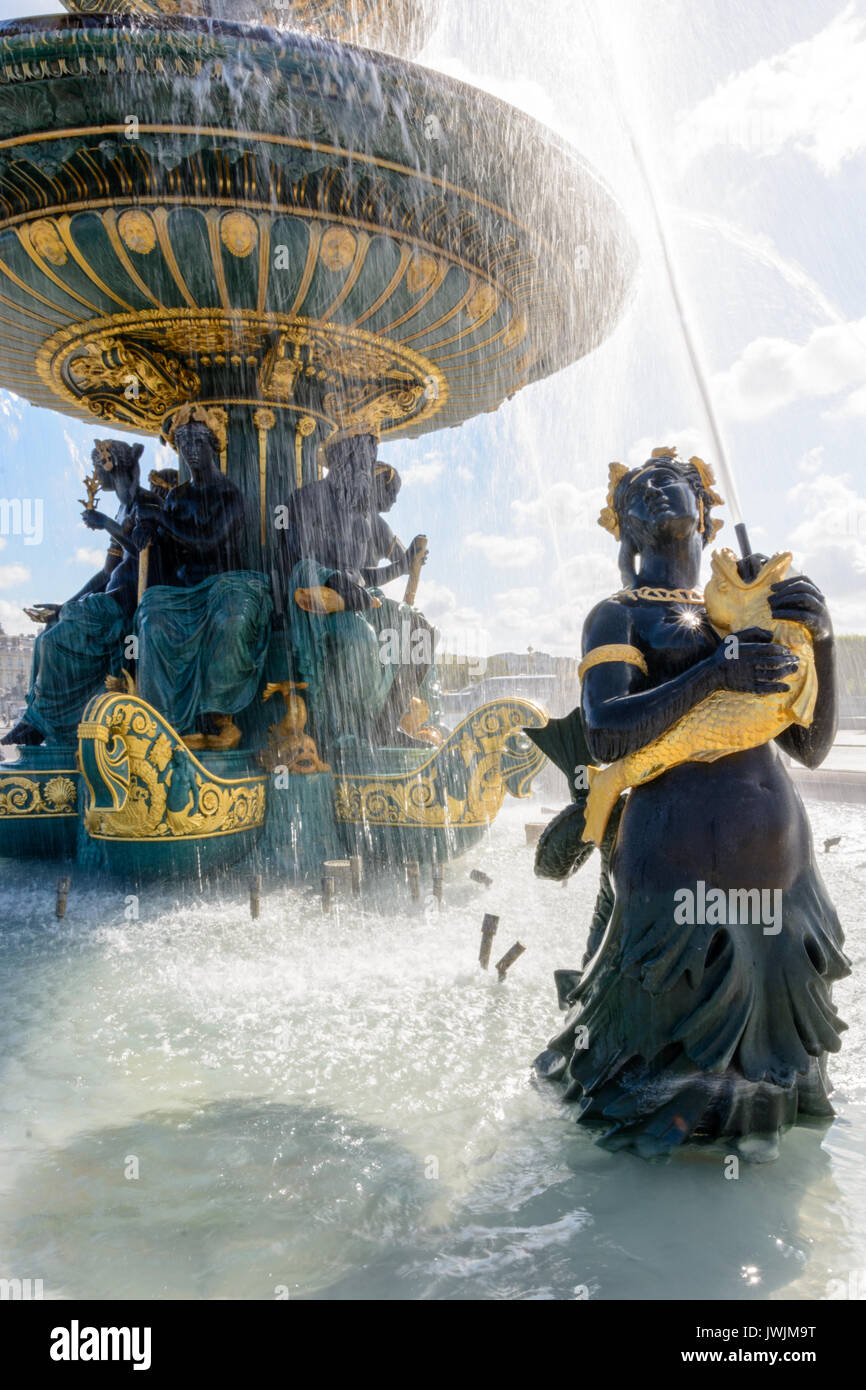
59, 792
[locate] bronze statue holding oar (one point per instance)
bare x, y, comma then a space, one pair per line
363, 655
412, 638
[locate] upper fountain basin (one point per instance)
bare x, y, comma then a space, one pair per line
222, 211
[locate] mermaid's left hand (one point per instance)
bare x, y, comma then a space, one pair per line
798, 600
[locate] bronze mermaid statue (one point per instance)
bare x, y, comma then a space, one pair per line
703, 1010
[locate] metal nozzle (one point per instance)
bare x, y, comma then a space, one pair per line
743, 541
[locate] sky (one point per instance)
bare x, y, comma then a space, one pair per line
751, 121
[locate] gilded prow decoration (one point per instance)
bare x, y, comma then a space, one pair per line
461, 784
143, 783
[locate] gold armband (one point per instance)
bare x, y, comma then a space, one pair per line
614, 651
115, 550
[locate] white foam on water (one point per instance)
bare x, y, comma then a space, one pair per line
343, 1105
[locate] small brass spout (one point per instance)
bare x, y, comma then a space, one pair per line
489, 928
505, 964
63, 887
255, 895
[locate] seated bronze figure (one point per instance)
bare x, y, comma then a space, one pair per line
82, 643
337, 620
203, 629
403, 629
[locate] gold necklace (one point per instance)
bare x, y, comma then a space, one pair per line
664, 595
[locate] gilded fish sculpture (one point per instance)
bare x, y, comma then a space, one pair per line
727, 721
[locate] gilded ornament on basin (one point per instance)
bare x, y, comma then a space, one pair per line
483, 303
60, 792
516, 331
30, 796
239, 233
137, 231
338, 247
421, 273
47, 242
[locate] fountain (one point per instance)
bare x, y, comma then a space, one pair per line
292, 241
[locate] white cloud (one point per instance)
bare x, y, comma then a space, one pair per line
518, 625
812, 461
588, 575
774, 372
11, 413
560, 505
507, 552
688, 441
551, 619
462, 629
440, 604
12, 575
829, 543
14, 621
79, 463
164, 457
94, 559
516, 615
851, 409
424, 472
518, 609
529, 597
811, 98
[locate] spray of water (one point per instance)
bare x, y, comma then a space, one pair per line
763, 250
338, 1105
607, 51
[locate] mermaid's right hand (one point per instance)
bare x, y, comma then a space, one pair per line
751, 662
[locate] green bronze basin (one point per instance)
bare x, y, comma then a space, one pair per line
316, 235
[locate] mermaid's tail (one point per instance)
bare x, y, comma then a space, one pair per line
561, 849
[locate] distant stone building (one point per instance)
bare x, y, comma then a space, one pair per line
16, 655
851, 665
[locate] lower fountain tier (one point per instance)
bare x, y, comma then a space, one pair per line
132, 800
